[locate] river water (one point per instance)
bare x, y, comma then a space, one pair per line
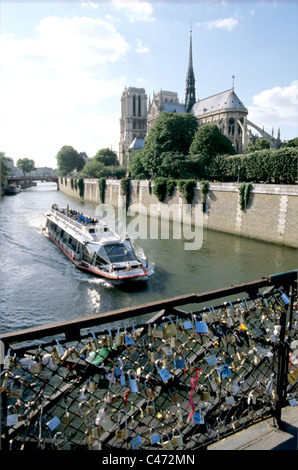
39, 285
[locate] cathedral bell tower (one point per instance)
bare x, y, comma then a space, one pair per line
133, 121
190, 90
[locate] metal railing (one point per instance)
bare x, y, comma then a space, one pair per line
175, 374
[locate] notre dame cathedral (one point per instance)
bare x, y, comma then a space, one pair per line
224, 109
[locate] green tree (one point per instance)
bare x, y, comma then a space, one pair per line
260, 144
175, 165
4, 168
170, 133
107, 157
137, 166
68, 159
25, 165
209, 142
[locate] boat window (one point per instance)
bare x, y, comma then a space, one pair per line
118, 253
70, 241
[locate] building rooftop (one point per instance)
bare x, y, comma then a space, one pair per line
224, 100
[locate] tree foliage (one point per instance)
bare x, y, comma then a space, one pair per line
107, 157
25, 165
170, 133
68, 159
4, 168
209, 142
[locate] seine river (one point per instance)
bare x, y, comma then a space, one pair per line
39, 285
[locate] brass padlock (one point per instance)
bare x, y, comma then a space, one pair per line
157, 333
109, 339
169, 329
235, 423
205, 395
91, 385
121, 433
9, 361
119, 338
177, 439
149, 391
166, 445
150, 407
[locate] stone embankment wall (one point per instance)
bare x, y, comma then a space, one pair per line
271, 214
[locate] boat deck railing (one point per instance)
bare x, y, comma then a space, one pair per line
178, 373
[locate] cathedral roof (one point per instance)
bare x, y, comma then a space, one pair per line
173, 107
225, 100
136, 144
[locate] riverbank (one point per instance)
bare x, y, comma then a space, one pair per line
270, 214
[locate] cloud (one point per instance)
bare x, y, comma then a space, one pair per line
53, 86
141, 48
223, 23
136, 11
276, 108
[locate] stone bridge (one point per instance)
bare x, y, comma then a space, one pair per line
25, 181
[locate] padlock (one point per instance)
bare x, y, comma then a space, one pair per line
103, 420
179, 363
208, 316
234, 422
169, 329
174, 395
149, 392
292, 400
230, 309
15, 393
133, 383
121, 433
167, 444
4, 381
59, 349
91, 385
230, 400
128, 339
136, 441
201, 326
109, 339
151, 357
55, 357
285, 299
118, 338
154, 436
150, 407
205, 395
164, 373
157, 333
174, 342
88, 416
9, 361
36, 367
96, 445
95, 342
177, 439
82, 395
59, 440
187, 323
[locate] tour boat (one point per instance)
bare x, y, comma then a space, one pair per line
12, 189
92, 246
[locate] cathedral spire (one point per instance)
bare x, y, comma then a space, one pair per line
190, 90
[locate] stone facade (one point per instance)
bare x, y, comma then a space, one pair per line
271, 214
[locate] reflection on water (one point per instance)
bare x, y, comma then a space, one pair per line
39, 285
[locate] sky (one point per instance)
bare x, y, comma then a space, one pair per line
65, 64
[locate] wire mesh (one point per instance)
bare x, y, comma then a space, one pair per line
184, 381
